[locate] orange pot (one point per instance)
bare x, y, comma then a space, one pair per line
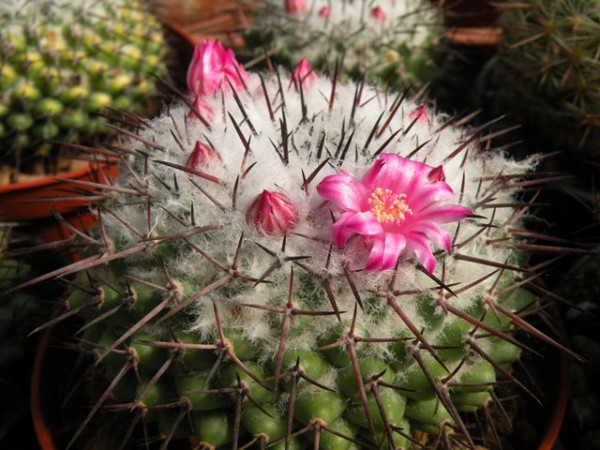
34, 204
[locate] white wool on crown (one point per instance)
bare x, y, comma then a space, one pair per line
474, 167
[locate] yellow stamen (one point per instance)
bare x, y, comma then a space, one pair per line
387, 206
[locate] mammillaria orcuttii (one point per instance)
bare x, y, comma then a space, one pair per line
313, 264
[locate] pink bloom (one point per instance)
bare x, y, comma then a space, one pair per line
295, 6
324, 12
214, 67
397, 207
272, 213
201, 157
303, 73
378, 14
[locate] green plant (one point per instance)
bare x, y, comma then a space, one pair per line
244, 287
390, 42
66, 66
549, 73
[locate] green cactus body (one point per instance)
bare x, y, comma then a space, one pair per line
390, 42
282, 338
65, 64
549, 72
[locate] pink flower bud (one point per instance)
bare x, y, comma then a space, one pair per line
378, 14
295, 6
213, 67
420, 114
201, 157
303, 73
272, 213
324, 12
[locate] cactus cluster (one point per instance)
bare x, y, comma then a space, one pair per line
549, 72
66, 65
389, 41
298, 262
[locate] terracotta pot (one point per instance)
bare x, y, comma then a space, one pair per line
39, 197
32, 204
205, 19
472, 22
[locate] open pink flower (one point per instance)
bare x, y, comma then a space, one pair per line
212, 68
398, 206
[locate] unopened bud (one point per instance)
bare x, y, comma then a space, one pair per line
378, 14
303, 73
201, 157
324, 12
295, 6
272, 213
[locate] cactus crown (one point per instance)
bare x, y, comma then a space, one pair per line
390, 42
66, 65
299, 248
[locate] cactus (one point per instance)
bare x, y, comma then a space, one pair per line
549, 73
389, 41
66, 65
305, 264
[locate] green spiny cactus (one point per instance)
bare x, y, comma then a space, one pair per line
65, 64
391, 42
549, 72
223, 303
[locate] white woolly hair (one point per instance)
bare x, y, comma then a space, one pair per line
309, 117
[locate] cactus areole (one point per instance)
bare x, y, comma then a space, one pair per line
229, 299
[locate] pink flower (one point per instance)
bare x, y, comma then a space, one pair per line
378, 14
272, 213
212, 68
294, 6
324, 12
201, 157
303, 73
397, 207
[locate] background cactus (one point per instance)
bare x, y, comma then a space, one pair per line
222, 304
389, 41
20, 313
549, 74
66, 65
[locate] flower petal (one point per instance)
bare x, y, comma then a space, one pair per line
386, 251
444, 213
422, 251
344, 191
350, 223
394, 172
433, 232
423, 196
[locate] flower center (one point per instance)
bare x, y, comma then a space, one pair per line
387, 206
